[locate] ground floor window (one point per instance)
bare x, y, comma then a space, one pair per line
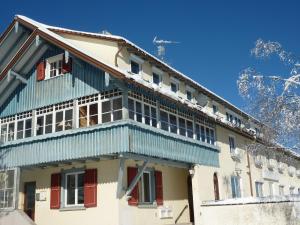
292, 190
74, 192
236, 186
147, 184
281, 190
7, 189
259, 189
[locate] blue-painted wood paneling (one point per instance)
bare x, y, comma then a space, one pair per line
125, 136
84, 80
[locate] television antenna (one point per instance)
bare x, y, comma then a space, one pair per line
161, 46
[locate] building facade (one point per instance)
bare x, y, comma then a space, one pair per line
93, 128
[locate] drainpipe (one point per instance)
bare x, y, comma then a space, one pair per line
117, 55
250, 175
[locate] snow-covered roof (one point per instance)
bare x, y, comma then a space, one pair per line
122, 39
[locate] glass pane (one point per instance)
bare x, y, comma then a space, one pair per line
164, 120
147, 110
106, 117
202, 134
106, 106
48, 124
59, 121
83, 116
2, 199
135, 67
11, 131
207, 135
173, 124
70, 189
10, 179
68, 119
155, 78
2, 180
3, 132
182, 127
80, 187
189, 126
94, 109
117, 104
40, 124
20, 125
93, 120
117, 115
146, 191
138, 108
131, 108
9, 195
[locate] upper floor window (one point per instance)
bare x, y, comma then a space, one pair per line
215, 109
189, 95
231, 144
156, 75
292, 190
156, 79
136, 64
174, 85
259, 189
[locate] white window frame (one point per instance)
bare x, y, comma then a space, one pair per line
23, 120
175, 81
239, 180
111, 99
192, 91
64, 118
88, 112
259, 189
76, 189
137, 60
44, 115
15, 189
53, 59
159, 73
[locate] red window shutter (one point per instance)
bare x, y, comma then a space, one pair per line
159, 188
55, 191
131, 173
66, 67
40, 70
90, 188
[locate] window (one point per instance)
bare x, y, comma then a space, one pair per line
135, 67
298, 191
150, 115
8, 130
74, 189
7, 189
147, 183
182, 130
292, 190
189, 129
44, 124
235, 187
281, 190
215, 109
259, 189
88, 115
174, 87
231, 144
173, 124
164, 120
205, 134
189, 95
54, 66
156, 78
112, 110
24, 128
64, 120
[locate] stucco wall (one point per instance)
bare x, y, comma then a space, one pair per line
109, 210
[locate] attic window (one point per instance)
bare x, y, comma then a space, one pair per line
136, 64
54, 66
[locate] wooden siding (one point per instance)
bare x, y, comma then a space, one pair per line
84, 80
113, 138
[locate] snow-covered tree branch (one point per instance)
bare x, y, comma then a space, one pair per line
274, 99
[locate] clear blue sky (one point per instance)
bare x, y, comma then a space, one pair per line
215, 36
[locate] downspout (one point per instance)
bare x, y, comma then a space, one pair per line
117, 54
250, 175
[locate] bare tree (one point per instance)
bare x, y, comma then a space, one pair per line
274, 99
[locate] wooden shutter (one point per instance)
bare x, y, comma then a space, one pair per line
90, 188
66, 67
159, 188
40, 70
131, 173
55, 191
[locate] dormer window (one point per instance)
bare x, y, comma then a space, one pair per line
136, 64
135, 67
189, 93
215, 109
174, 85
156, 75
54, 66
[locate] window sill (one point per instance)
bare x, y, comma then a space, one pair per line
72, 208
147, 206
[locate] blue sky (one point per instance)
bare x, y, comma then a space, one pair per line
215, 36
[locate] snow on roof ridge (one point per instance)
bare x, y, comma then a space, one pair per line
38, 24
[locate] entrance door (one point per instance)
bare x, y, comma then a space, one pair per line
190, 198
29, 199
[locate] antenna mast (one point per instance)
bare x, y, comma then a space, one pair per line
161, 46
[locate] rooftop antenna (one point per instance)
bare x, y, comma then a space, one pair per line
161, 46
